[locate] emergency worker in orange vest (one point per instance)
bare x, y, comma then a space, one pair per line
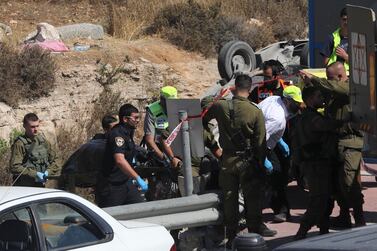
271, 85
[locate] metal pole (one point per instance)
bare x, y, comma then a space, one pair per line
186, 154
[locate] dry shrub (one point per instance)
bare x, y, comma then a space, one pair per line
287, 19
204, 26
200, 28
10, 86
70, 138
199, 25
37, 71
27, 74
108, 103
5, 153
5, 177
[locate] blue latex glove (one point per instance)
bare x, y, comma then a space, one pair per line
283, 147
45, 175
268, 165
142, 184
40, 177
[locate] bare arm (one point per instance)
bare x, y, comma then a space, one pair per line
326, 61
169, 152
123, 164
149, 139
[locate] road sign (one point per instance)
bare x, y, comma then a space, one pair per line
359, 56
192, 107
361, 27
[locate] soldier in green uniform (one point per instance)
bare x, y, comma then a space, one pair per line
350, 144
241, 127
317, 147
211, 144
32, 160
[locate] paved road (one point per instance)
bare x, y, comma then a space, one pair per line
298, 199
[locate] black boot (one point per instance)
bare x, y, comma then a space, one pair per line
358, 215
301, 233
263, 230
342, 221
323, 230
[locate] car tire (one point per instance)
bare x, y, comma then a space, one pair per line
304, 56
235, 56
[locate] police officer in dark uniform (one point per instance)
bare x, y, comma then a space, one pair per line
121, 184
241, 126
317, 137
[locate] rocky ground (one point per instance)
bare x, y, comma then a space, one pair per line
151, 64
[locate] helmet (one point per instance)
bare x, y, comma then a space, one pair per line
293, 92
169, 92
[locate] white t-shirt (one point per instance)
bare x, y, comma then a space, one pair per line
275, 115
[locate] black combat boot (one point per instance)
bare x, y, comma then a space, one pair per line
282, 217
358, 215
301, 233
263, 230
323, 230
342, 221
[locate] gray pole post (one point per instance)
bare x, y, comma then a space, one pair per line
186, 154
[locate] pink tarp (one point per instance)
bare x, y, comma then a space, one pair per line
52, 45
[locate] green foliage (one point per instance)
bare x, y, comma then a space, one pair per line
14, 135
3, 146
108, 75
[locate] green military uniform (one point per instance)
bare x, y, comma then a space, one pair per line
246, 118
30, 156
209, 142
349, 145
317, 150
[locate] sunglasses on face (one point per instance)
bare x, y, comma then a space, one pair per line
135, 118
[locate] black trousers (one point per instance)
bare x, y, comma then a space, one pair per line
318, 173
278, 181
111, 195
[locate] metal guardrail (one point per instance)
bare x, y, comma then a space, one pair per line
190, 211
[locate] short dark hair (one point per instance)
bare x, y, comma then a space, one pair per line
275, 66
107, 120
243, 81
343, 12
308, 92
30, 117
126, 110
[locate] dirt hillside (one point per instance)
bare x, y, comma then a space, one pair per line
151, 63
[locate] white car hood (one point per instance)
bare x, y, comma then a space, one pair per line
136, 224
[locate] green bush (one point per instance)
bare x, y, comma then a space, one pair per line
14, 135
5, 151
3, 147
27, 74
